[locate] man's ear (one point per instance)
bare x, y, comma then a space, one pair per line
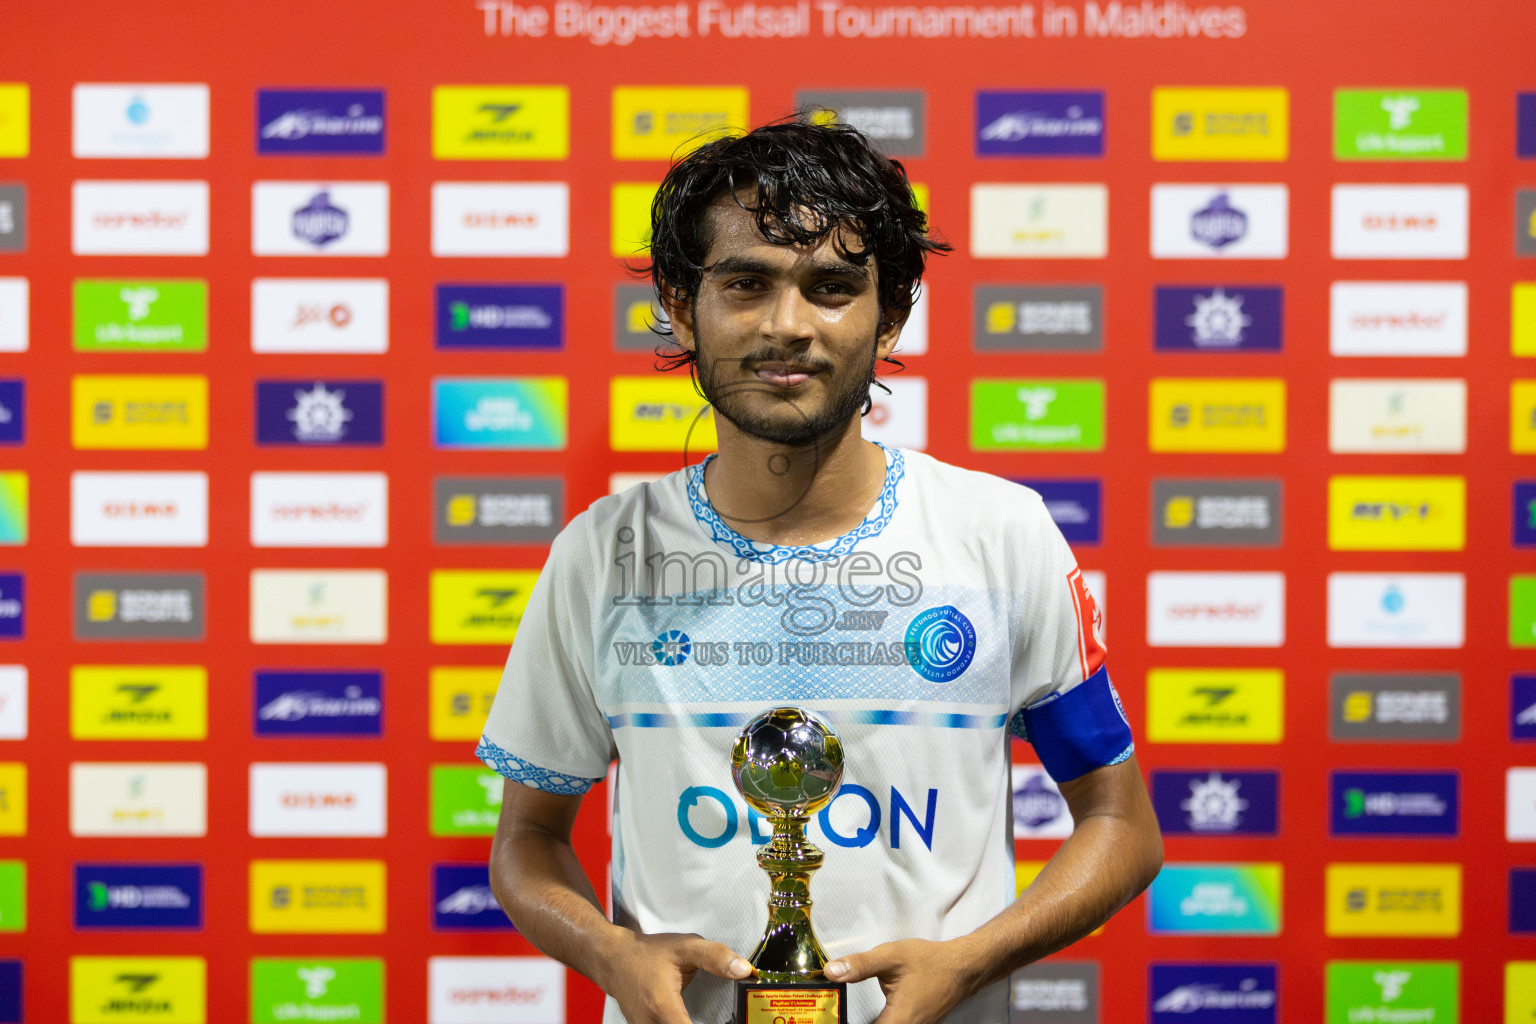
891, 322
679, 315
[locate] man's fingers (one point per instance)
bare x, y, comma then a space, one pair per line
858, 966
716, 958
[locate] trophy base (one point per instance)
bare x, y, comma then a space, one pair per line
804, 1002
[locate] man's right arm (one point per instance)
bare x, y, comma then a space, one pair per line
542, 888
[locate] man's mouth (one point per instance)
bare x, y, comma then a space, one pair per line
784, 375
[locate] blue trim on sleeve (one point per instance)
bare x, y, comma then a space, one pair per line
1080, 730
531, 775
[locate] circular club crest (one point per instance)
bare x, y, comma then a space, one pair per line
671, 647
940, 643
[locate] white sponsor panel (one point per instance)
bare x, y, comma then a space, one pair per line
495, 990
13, 702
320, 218
1215, 609
320, 315
487, 219
1400, 222
141, 120
1220, 222
313, 606
620, 482
1039, 809
129, 799
1398, 318
318, 799
154, 510
140, 218
1042, 221
319, 510
1407, 416
1424, 609
15, 303
1098, 586
1520, 805
900, 418
914, 333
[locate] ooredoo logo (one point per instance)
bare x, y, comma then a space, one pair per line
140, 218
1215, 609
489, 989
319, 510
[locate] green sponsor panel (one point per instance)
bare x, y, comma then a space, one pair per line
1037, 415
285, 989
141, 316
1522, 611
13, 896
465, 801
1400, 124
1418, 991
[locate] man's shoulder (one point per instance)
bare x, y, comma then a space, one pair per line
970, 493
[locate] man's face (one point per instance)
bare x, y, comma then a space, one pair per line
786, 336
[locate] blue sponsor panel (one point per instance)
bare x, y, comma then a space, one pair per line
1525, 133
1215, 899
1522, 901
13, 605
1076, 507
319, 703
494, 316
138, 895
1522, 709
1217, 802
507, 413
319, 413
1212, 993
1040, 124
1524, 514
462, 899
11, 979
320, 121
1422, 804
1219, 318
13, 411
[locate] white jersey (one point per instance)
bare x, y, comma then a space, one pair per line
953, 615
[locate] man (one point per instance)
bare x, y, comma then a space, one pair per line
921, 609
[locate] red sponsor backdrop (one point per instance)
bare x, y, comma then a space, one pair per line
1309, 48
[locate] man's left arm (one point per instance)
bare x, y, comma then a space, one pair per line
1114, 852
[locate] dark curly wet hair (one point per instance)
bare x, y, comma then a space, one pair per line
801, 181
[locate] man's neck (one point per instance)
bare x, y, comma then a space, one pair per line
776, 494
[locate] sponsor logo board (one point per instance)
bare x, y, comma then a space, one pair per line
895, 121
122, 411
13, 508
465, 801
494, 316
1220, 124
319, 606
635, 311
332, 703
1215, 512
494, 989
1418, 804
1212, 705
138, 702
1046, 124
1039, 809
128, 799
1401, 124
1400, 222
1522, 417
13, 702
292, 799
1396, 609
319, 412
1216, 993
320, 315
1522, 611
15, 310
492, 219
171, 989
1520, 975
1217, 802
1038, 318
13, 896
501, 122
462, 899
1215, 899
15, 118
1039, 221
1413, 990
1525, 222
316, 218
1520, 805
460, 701
478, 606
1397, 416
1396, 707
13, 411
1055, 992
138, 896
13, 799
138, 509
13, 606
646, 414
1220, 222
13, 221
899, 419
502, 413
285, 989
1045, 415
124, 316
1397, 513
139, 218
1393, 900
497, 509
666, 123
1218, 318
1522, 329
139, 606
141, 120
1522, 901
1215, 609
1525, 133
1522, 707
325, 897
333, 510
1075, 506
320, 122
1398, 318
1206, 414
12, 983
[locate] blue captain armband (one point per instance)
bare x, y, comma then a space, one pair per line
1077, 731
531, 775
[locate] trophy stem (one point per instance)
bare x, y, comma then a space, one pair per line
789, 950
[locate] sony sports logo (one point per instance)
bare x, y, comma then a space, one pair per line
635, 312
1206, 414
1055, 992
1215, 512
1037, 415
1400, 222
1395, 318
1393, 900
319, 412
666, 123
1215, 609
1234, 705
319, 606
462, 899
320, 122
139, 606
1039, 123
1397, 513
1038, 318
529, 218
320, 315
148, 120
1426, 609
1407, 416
1395, 707
1414, 990
1215, 899
138, 509
327, 897
491, 316
497, 510
318, 218
285, 989
501, 122
121, 411
293, 799
1525, 222
117, 799
1400, 124
896, 122
170, 989
460, 700
140, 218
138, 702
15, 313
1213, 993
504, 413
13, 218
140, 315
138, 896
1012, 221
1220, 221
1218, 318
1216, 802
475, 606
335, 703
1418, 804
1220, 124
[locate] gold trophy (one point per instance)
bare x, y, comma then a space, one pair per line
787, 764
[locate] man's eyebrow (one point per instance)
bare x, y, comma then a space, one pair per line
748, 265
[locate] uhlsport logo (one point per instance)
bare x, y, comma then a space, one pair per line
1033, 318
13, 219
1055, 992
1393, 900
1236, 705
1213, 993
1048, 124
1384, 318
328, 897
1218, 318
1420, 804
320, 122
1220, 124
940, 643
140, 218
895, 121
497, 510
462, 899
1075, 506
138, 896
1416, 990
1216, 802
501, 122
1220, 221
287, 989
1403, 708
1427, 124
139, 606
156, 121
1037, 414
335, 703
320, 315
319, 412
1215, 512
316, 218
120, 315
1215, 899
138, 411
1010, 221
500, 316
138, 702
171, 989
465, 801
507, 413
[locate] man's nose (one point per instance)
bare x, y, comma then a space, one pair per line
788, 317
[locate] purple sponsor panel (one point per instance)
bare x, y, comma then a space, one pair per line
1219, 318
493, 316
1076, 506
462, 899
115, 896
320, 121
1217, 802
1040, 124
1410, 804
338, 703
319, 413
1213, 993
1522, 709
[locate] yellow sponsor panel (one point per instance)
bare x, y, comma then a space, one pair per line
1215, 705
1393, 899
1522, 417
659, 414
501, 122
920, 196
479, 606
460, 701
630, 226
331, 897
1522, 321
107, 989
1209, 414
1520, 992
13, 799
660, 123
1024, 874
15, 119
1220, 124
1397, 513
138, 702
124, 410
